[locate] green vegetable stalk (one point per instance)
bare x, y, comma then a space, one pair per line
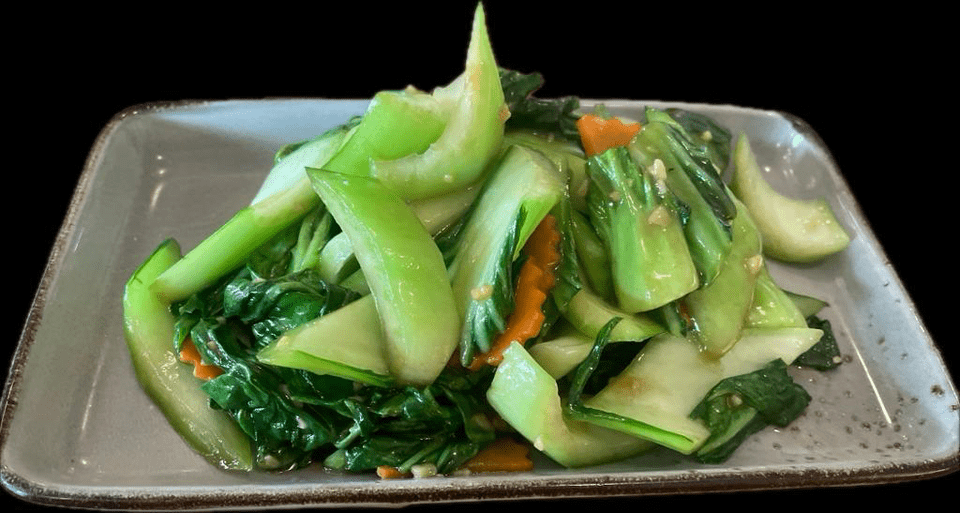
640, 225
719, 309
470, 138
677, 376
528, 398
149, 331
404, 270
232, 244
522, 189
708, 208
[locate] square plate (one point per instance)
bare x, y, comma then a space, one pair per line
78, 431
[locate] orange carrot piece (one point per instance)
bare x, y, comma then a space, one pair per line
388, 472
599, 134
190, 354
503, 455
534, 282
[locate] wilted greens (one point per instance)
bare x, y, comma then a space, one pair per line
457, 266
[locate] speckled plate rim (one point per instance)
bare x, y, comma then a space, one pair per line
409, 492
494, 489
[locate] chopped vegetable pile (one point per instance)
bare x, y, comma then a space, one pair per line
460, 278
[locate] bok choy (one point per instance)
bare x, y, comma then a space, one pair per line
455, 267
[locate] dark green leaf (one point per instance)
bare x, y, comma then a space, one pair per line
274, 306
284, 431
554, 115
825, 354
444, 424
771, 392
718, 143
583, 376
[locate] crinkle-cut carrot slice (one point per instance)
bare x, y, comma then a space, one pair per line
534, 282
190, 354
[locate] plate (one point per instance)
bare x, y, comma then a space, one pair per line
78, 431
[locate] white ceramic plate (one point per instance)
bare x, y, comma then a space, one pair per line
78, 431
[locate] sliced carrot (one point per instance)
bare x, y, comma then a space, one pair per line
535, 280
190, 354
599, 134
503, 455
388, 472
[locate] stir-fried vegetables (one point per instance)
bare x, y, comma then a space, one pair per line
457, 278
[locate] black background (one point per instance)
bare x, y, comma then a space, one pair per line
870, 83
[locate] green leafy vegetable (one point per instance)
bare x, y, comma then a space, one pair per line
444, 424
470, 138
719, 309
825, 355
676, 377
149, 327
794, 230
583, 381
696, 159
708, 208
274, 306
770, 392
284, 432
404, 270
545, 115
529, 399
716, 138
287, 199
639, 223
293, 416
344, 308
